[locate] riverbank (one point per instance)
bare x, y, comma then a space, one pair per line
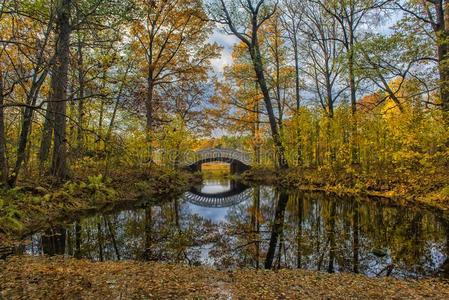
430, 190
51, 278
33, 207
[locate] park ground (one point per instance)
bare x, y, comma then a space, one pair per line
59, 278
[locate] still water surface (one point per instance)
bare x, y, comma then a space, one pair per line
227, 225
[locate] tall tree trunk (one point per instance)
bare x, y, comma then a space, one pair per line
297, 81
256, 58
23, 141
149, 113
26, 161
25, 130
59, 161
441, 29
443, 68
353, 92
3, 155
258, 68
256, 133
278, 87
47, 134
298, 100
330, 115
352, 87
80, 117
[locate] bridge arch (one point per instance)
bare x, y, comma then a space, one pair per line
240, 161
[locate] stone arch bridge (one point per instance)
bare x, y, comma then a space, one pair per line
239, 161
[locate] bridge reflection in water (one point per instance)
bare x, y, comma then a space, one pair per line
233, 195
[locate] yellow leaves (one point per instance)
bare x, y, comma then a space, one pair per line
166, 31
240, 50
136, 28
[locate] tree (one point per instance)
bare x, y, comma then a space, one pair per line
432, 15
3, 155
382, 59
93, 22
172, 37
244, 20
237, 100
323, 65
59, 80
292, 18
350, 16
29, 67
278, 70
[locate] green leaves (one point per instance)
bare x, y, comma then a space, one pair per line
95, 190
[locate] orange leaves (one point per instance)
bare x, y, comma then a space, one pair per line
48, 278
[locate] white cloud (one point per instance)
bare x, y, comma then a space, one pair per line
227, 42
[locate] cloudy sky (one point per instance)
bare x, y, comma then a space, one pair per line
227, 42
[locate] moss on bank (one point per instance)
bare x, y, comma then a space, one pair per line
52, 278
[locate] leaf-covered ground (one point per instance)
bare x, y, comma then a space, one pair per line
58, 278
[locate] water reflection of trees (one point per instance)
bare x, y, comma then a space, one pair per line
273, 229
317, 232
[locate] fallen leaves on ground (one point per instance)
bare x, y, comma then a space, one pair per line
59, 278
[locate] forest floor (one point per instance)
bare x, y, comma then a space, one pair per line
59, 278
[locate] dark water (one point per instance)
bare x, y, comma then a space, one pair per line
227, 225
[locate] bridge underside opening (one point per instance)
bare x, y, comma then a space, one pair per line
216, 167
235, 166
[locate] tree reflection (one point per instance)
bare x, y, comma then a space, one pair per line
299, 233
355, 239
53, 241
276, 230
282, 230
